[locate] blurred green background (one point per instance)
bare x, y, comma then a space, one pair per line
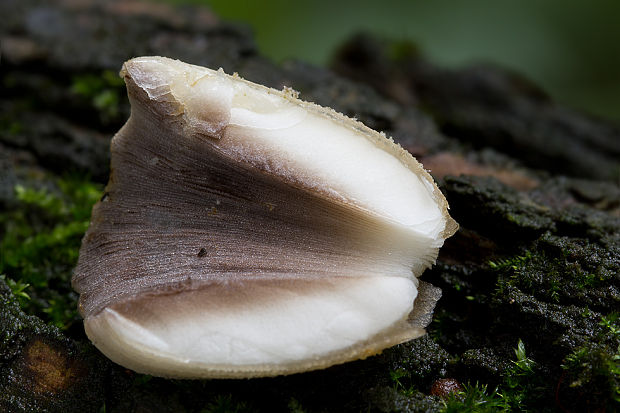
570, 48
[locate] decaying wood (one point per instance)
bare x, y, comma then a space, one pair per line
536, 259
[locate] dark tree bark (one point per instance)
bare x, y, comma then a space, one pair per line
533, 185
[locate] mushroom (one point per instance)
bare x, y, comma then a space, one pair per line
247, 233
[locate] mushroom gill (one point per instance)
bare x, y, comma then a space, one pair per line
247, 233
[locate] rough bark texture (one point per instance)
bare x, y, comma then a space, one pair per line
533, 185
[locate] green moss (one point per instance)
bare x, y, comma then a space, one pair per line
611, 325
104, 92
226, 404
18, 289
10, 126
522, 387
554, 289
476, 399
562, 276
513, 263
401, 379
509, 270
40, 244
559, 270
295, 407
142, 379
593, 370
586, 280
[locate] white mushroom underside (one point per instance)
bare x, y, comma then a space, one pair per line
302, 252
250, 335
302, 145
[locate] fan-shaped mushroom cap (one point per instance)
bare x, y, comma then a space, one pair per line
247, 233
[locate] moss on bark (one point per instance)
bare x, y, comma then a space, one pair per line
530, 282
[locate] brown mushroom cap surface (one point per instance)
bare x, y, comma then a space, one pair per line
247, 233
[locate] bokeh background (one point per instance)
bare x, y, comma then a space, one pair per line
570, 48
